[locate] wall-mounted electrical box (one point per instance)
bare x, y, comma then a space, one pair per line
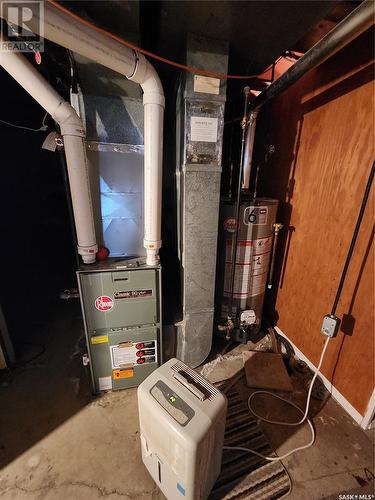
121, 305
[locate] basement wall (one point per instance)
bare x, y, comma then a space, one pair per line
323, 131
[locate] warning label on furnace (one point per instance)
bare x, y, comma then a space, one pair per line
122, 355
105, 383
133, 353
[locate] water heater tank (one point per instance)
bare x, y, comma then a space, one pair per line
254, 249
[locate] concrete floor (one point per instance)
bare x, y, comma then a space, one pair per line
59, 443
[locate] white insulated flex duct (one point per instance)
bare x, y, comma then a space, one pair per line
73, 35
73, 134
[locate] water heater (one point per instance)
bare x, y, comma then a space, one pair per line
254, 249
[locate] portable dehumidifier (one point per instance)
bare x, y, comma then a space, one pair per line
182, 421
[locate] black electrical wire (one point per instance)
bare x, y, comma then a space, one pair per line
354, 239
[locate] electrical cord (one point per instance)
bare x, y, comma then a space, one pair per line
317, 370
189, 69
290, 424
42, 128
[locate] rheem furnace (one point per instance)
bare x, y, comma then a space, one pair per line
121, 308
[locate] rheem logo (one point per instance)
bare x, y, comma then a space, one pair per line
104, 303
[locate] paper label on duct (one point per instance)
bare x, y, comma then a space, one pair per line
203, 129
206, 84
105, 383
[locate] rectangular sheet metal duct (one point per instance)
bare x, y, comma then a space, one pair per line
200, 122
112, 110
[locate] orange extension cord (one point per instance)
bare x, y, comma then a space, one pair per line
130, 45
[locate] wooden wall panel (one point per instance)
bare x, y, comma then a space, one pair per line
323, 130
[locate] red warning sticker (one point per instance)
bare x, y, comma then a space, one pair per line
104, 303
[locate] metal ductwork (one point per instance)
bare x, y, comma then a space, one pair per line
65, 30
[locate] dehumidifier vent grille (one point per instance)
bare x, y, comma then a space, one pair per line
210, 391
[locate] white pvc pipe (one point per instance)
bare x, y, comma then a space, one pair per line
62, 29
153, 104
73, 133
76, 160
153, 181
67, 32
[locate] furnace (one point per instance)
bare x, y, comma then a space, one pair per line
121, 307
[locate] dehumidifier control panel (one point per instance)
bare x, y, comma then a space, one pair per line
172, 403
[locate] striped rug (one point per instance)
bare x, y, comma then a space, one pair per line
243, 474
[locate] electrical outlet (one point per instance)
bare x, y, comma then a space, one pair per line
330, 325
